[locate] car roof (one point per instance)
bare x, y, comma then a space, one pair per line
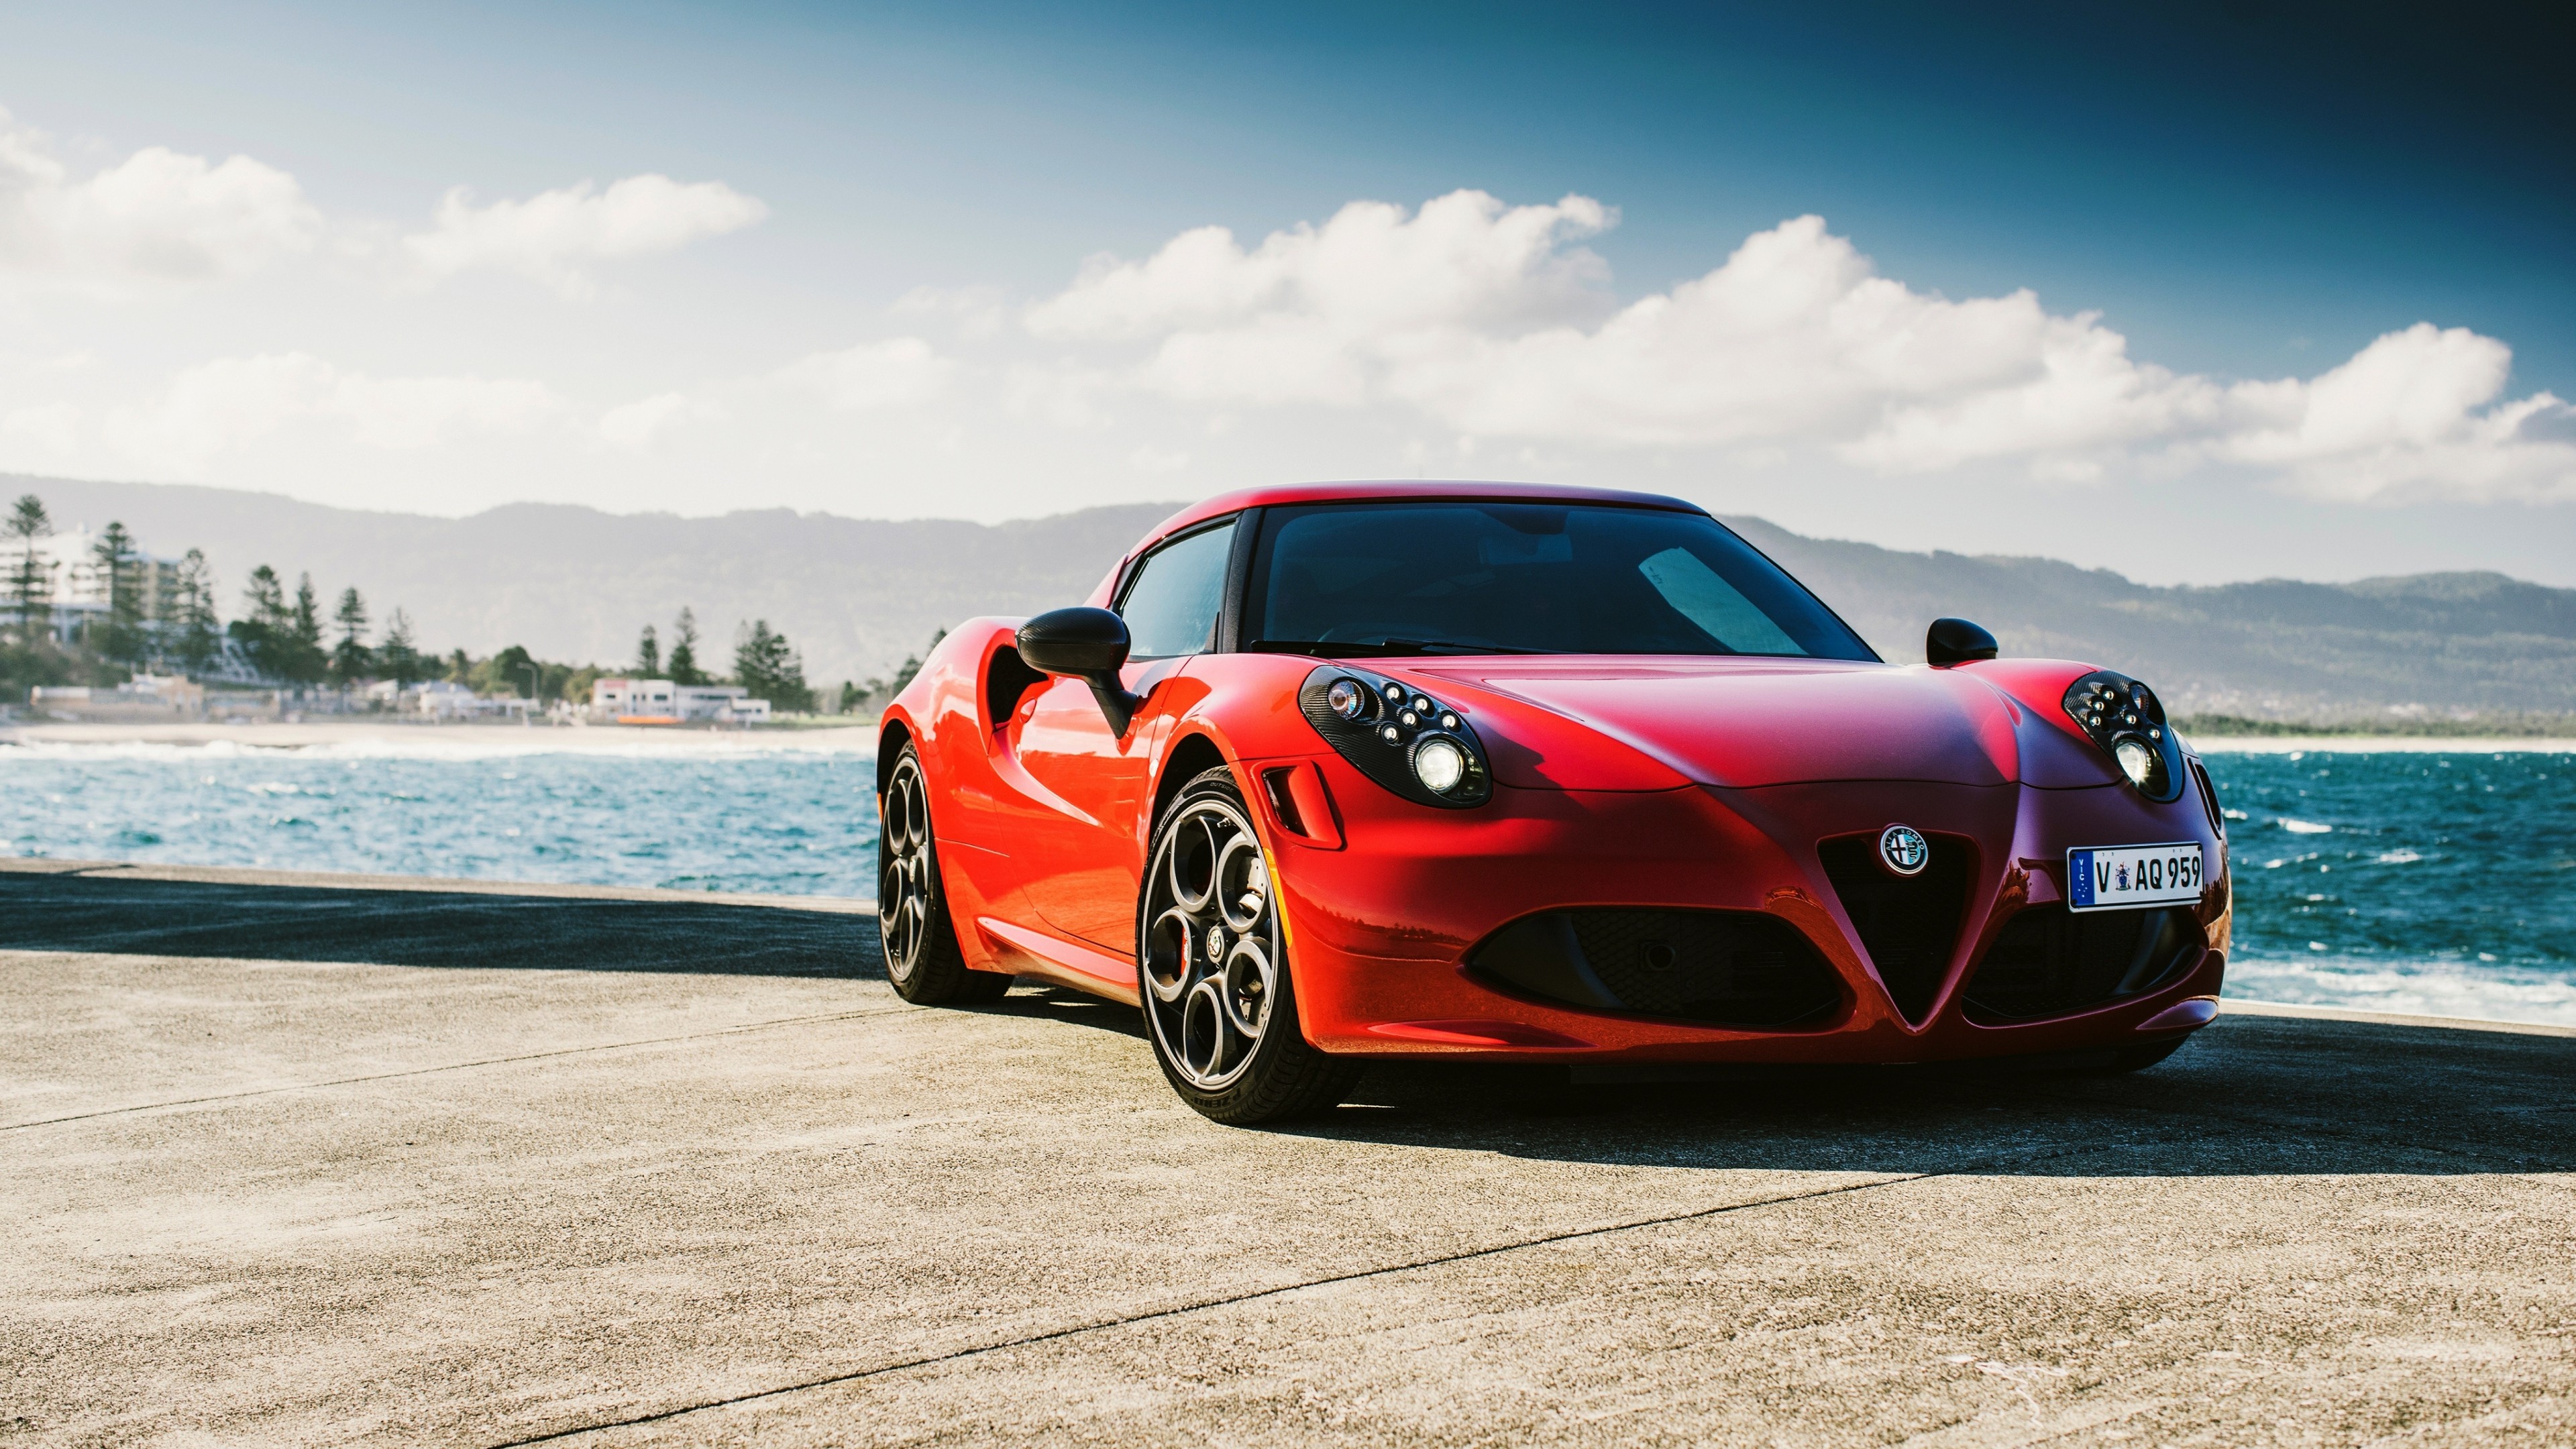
1417, 488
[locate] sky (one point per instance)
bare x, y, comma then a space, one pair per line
2196, 292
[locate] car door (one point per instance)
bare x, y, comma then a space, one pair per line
1084, 849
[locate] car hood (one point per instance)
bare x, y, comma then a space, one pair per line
1572, 723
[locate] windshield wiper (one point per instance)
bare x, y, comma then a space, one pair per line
1380, 648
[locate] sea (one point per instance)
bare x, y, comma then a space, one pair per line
2439, 881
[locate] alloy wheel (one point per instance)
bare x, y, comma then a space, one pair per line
903, 878
1212, 944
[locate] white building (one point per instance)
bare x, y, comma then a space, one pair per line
146, 696
445, 699
661, 702
80, 585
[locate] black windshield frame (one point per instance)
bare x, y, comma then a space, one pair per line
1831, 637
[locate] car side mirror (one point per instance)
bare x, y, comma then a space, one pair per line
1956, 641
1086, 644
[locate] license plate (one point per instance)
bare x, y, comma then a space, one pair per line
2112, 877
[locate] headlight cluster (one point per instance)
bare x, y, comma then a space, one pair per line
1398, 736
2127, 721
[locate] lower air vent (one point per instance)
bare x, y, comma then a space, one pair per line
1908, 924
2048, 960
1726, 968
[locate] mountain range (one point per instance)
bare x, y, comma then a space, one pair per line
857, 595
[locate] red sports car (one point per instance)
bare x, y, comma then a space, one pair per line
1330, 773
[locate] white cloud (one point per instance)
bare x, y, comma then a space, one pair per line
976, 312
1484, 318
156, 217
637, 426
54, 427
898, 372
231, 403
550, 236
1314, 314
2416, 414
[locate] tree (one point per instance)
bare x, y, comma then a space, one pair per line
266, 631
31, 573
764, 664
460, 667
511, 670
310, 663
648, 655
119, 637
351, 659
199, 642
397, 656
684, 650
851, 695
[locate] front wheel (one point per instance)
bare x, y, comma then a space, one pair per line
921, 955
1212, 969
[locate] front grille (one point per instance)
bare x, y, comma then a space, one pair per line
2048, 960
1908, 924
1727, 968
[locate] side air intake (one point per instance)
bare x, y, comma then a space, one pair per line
2049, 961
1909, 925
1726, 968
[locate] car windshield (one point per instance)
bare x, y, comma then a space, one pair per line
1472, 578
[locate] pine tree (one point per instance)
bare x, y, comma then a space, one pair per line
266, 631
648, 655
397, 656
311, 662
200, 643
765, 665
684, 650
31, 573
351, 659
119, 636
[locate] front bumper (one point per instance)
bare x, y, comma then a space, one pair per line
1383, 923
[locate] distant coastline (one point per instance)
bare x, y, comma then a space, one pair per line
2496, 725
384, 736
364, 736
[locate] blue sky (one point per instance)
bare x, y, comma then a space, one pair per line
883, 308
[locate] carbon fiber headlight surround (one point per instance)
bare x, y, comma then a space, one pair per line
1386, 734
2113, 710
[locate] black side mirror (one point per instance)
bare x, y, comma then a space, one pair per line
1956, 641
1089, 645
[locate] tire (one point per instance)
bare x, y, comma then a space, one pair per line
1224, 1028
921, 956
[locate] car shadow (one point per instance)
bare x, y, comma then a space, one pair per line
2249, 1095
123, 915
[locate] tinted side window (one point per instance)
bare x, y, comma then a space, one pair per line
1173, 604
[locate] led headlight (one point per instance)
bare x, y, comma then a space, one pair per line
1439, 763
1401, 738
2136, 760
2126, 721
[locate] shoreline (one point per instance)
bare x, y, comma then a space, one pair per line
2380, 744
861, 738
498, 739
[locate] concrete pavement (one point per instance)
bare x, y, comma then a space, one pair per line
464, 1181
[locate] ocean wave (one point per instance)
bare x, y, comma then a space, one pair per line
2485, 991
2375, 745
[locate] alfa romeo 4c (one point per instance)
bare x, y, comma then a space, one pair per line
1330, 773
